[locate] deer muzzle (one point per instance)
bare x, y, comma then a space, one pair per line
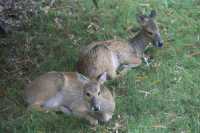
95, 105
158, 42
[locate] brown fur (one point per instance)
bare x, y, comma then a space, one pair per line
97, 62
70, 89
108, 56
94, 63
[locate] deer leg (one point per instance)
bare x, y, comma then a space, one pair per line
53, 102
129, 66
125, 67
88, 117
130, 63
83, 112
106, 117
92, 120
65, 110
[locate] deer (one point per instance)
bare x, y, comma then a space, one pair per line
73, 94
115, 57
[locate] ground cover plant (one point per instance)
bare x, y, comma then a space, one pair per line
161, 98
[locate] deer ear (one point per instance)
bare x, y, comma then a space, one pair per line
152, 14
102, 78
141, 19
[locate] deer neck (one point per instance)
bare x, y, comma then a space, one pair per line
139, 43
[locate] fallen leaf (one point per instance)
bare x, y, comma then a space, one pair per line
178, 50
141, 78
156, 82
2, 92
46, 9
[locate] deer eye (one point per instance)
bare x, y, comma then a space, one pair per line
88, 94
150, 33
99, 93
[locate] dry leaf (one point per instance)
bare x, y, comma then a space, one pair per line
46, 9
58, 23
156, 82
141, 78
2, 92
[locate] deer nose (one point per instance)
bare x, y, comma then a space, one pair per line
95, 105
158, 40
96, 108
160, 44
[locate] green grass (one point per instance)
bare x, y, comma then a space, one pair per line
163, 98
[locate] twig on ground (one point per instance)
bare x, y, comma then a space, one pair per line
159, 126
194, 54
192, 46
145, 92
95, 3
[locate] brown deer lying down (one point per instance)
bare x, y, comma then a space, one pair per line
73, 94
112, 55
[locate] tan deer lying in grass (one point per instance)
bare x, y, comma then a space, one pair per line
73, 94
113, 55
